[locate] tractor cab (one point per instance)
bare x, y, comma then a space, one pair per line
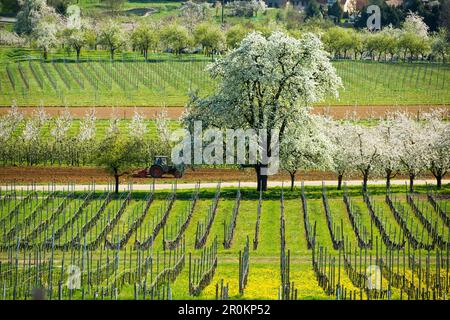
161, 166
161, 161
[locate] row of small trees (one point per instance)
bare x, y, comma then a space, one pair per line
398, 144
42, 27
40, 139
412, 41
45, 29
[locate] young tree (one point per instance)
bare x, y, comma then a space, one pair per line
117, 154
305, 146
8, 124
440, 46
137, 128
415, 24
391, 37
61, 144
262, 85
138, 135
32, 12
111, 36
241, 8
114, 121
175, 38
210, 37
337, 40
258, 6
86, 137
75, 39
144, 38
193, 13
45, 35
437, 135
389, 161
74, 36
163, 126
342, 147
31, 136
412, 147
234, 36
414, 38
366, 152
356, 40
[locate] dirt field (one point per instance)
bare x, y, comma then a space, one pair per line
22, 175
338, 112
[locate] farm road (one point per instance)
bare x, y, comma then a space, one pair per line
164, 186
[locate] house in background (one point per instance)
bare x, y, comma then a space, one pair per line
346, 4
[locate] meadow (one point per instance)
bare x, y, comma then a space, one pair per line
145, 245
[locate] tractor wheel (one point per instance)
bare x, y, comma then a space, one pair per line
156, 171
177, 174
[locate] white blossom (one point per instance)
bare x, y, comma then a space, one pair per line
340, 136
31, 132
62, 126
138, 128
412, 145
415, 24
162, 125
113, 123
389, 160
437, 137
87, 126
10, 122
305, 145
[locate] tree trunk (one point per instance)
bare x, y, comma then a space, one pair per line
292, 174
365, 178
388, 181
411, 182
78, 54
45, 54
439, 181
116, 178
260, 178
388, 178
340, 176
112, 54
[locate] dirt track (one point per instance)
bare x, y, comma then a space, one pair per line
338, 112
25, 175
86, 175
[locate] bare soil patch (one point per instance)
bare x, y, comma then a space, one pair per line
83, 175
338, 112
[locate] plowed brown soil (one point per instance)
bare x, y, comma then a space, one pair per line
78, 175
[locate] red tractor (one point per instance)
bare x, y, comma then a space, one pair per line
160, 167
